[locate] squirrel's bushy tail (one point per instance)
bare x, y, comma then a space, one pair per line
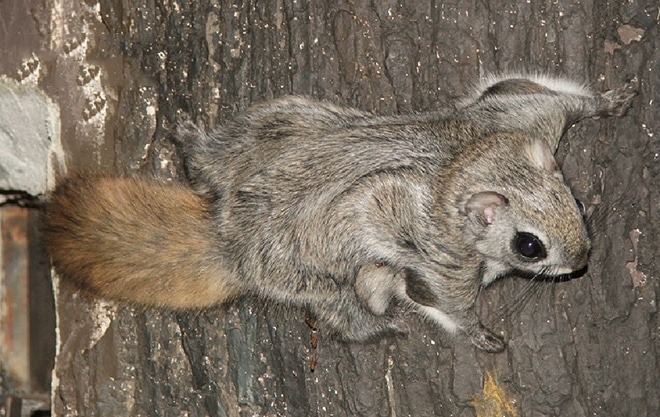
136, 240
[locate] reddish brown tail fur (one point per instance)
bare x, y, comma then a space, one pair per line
135, 240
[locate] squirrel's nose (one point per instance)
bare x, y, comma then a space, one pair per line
581, 259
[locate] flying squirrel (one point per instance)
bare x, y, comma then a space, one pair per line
342, 212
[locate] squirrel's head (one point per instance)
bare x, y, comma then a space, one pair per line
520, 215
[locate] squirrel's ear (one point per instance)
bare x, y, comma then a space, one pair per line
484, 207
541, 155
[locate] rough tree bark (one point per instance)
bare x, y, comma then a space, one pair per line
124, 72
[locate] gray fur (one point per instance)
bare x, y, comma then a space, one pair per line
348, 214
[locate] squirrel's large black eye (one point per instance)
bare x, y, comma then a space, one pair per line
529, 246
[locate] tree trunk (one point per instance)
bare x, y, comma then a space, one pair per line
123, 74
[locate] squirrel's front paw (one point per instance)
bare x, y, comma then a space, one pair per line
615, 102
485, 340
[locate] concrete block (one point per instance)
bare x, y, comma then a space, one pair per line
30, 145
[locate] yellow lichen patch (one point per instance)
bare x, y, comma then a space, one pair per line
493, 400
